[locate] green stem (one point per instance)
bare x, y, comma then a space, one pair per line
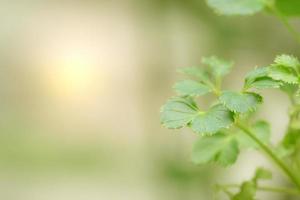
271, 154
279, 190
229, 194
225, 189
267, 189
286, 23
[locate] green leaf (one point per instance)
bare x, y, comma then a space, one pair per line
290, 143
258, 72
247, 191
282, 151
178, 112
248, 188
210, 122
191, 88
287, 61
200, 74
265, 83
258, 78
262, 173
291, 138
290, 89
182, 111
288, 7
283, 74
236, 7
240, 102
285, 69
219, 148
262, 131
297, 93
218, 67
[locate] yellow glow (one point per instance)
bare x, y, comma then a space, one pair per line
73, 73
76, 73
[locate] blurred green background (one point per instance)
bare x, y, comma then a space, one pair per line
82, 83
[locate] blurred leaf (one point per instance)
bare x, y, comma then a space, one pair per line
201, 74
262, 173
290, 143
176, 170
247, 191
191, 88
210, 122
219, 148
283, 74
291, 138
290, 89
218, 67
248, 188
262, 132
288, 7
236, 7
240, 102
287, 61
210, 76
265, 83
178, 112
258, 78
282, 151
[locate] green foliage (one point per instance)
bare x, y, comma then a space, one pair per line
220, 125
226, 126
222, 137
191, 88
210, 122
218, 67
265, 83
262, 131
287, 61
236, 7
211, 75
289, 148
259, 79
290, 89
178, 112
240, 102
220, 148
283, 74
247, 191
248, 188
289, 7
182, 111
202, 75
262, 173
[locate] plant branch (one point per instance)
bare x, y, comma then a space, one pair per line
225, 189
267, 189
271, 154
